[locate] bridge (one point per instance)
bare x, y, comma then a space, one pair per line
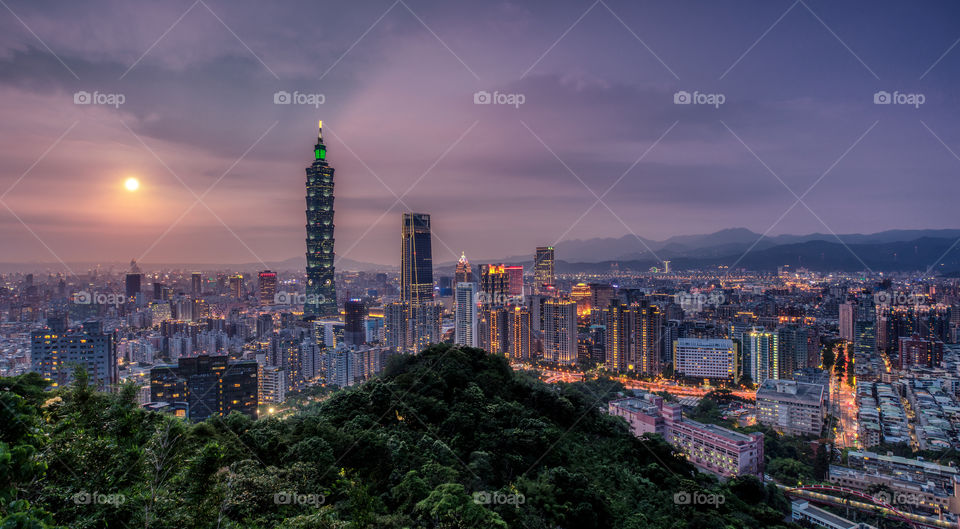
821, 494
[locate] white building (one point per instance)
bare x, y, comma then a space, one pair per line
790, 407
705, 358
465, 321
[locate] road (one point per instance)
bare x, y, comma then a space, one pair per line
843, 402
570, 375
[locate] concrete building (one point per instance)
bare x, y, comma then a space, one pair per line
709, 447
705, 358
57, 350
791, 407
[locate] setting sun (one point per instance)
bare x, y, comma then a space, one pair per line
132, 184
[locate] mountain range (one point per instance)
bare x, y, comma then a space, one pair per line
892, 250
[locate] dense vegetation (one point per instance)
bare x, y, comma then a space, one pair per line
449, 438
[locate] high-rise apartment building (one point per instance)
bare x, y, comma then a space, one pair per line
543, 269
267, 287
618, 320
519, 333
560, 331
494, 285
196, 283
847, 315
321, 292
465, 318
761, 351
646, 343
515, 281
236, 286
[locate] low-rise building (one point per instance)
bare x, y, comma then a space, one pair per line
709, 447
791, 407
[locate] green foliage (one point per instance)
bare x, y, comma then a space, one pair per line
449, 438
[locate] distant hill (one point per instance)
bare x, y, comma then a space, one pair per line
823, 256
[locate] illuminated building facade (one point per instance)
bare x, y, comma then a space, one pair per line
465, 318
321, 289
581, 294
236, 286
416, 259
211, 386
519, 331
494, 284
515, 281
619, 324
560, 331
196, 283
267, 287
761, 350
56, 350
705, 358
543, 270
463, 272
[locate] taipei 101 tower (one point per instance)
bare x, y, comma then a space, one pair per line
321, 299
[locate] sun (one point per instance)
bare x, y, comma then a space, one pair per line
132, 184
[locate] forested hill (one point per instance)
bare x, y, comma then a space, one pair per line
451, 438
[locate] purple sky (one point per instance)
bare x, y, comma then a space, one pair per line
399, 79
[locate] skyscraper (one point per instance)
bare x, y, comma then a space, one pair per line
414, 322
494, 284
519, 331
196, 283
560, 331
465, 321
463, 273
267, 287
321, 289
618, 320
761, 350
515, 281
354, 332
236, 286
543, 273
646, 338
416, 259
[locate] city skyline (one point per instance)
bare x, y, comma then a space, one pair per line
398, 83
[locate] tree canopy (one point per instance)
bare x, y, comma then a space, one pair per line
448, 438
